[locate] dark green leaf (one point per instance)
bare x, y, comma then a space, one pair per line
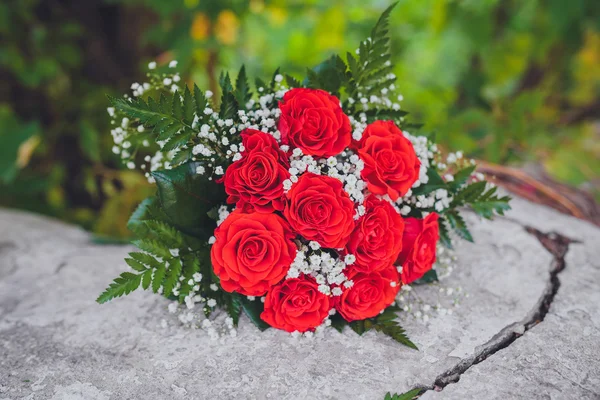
242, 88
458, 224
188, 107
200, 102
435, 182
234, 303
429, 277
253, 309
445, 239
186, 198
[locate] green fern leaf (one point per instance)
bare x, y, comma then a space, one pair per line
126, 283
458, 224
460, 178
229, 105
410, 395
146, 279
444, 233
242, 91
200, 102
153, 247
177, 107
146, 259
135, 264
172, 277
189, 107
158, 278
395, 331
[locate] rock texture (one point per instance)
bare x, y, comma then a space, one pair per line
57, 343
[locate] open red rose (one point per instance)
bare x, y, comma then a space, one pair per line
418, 247
252, 252
369, 295
319, 209
313, 121
377, 237
296, 305
255, 182
391, 164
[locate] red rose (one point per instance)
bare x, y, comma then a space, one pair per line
319, 209
313, 121
296, 305
377, 237
418, 247
370, 293
391, 164
252, 252
255, 182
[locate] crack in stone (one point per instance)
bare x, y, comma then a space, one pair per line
557, 245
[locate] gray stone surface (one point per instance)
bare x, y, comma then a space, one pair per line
560, 357
57, 343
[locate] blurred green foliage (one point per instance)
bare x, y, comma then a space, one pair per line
508, 81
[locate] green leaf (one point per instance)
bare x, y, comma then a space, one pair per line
444, 234
460, 178
126, 283
410, 395
186, 198
153, 247
328, 76
395, 331
338, 322
182, 156
136, 265
358, 326
146, 259
178, 140
147, 209
200, 102
253, 309
458, 224
158, 278
188, 106
165, 233
435, 182
242, 88
229, 105
191, 265
368, 72
468, 194
146, 279
292, 82
172, 276
234, 304
429, 277
177, 107
164, 121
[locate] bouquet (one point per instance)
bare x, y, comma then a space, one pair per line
301, 203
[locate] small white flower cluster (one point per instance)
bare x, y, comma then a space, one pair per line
218, 326
223, 214
327, 269
442, 299
346, 168
382, 100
